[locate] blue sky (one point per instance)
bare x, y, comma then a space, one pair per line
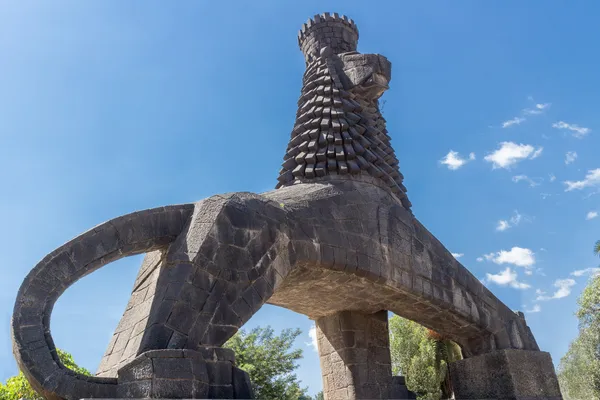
108, 107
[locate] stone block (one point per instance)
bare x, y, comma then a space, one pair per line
164, 374
172, 388
242, 387
506, 374
219, 372
220, 392
137, 370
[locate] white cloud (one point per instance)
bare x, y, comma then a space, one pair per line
517, 256
505, 224
570, 157
591, 179
552, 178
454, 161
528, 272
312, 333
578, 131
539, 292
516, 219
457, 255
511, 153
563, 289
537, 153
514, 121
479, 259
506, 278
538, 109
532, 182
536, 308
587, 271
591, 215
502, 225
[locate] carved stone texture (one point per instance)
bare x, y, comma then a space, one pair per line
336, 239
339, 128
164, 374
176, 374
340, 34
506, 374
354, 349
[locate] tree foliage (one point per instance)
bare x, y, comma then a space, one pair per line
17, 387
422, 356
269, 361
579, 370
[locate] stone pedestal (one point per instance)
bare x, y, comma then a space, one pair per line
184, 374
354, 350
506, 374
399, 391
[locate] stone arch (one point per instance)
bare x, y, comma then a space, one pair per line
364, 252
33, 346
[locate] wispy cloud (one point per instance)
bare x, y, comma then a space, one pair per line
511, 153
536, 308
587, 271
507, 277
563, 289
551, 177
592, 178
511, 122
457, 255
533, 182
504, 224
570, 157
312, 334
578, 131
591, 215
454, 160
537, 109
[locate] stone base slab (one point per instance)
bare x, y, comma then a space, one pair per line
506, 375
184, 374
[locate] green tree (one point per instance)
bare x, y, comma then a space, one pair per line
422, 356
579, 369
269, 361
17, 387
575, 371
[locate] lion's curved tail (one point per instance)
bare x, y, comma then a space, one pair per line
33, 347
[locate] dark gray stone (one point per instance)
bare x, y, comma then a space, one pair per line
506, 374
242, 387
